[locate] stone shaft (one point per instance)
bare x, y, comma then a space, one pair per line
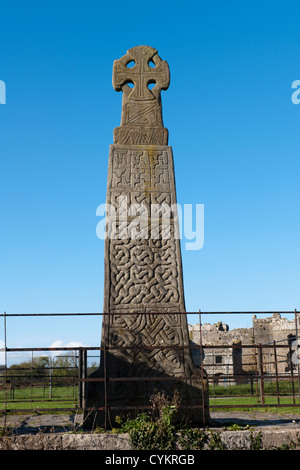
143, 269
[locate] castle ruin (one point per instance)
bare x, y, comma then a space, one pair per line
234, 353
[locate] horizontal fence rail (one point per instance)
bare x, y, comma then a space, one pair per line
250, 312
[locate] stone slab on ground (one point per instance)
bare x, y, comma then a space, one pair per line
58, 432
65, 423
258, 419
64, 441
36, 423
268, 439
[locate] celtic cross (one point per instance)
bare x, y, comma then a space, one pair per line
143, 281
141, 121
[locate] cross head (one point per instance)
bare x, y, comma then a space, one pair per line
141, 74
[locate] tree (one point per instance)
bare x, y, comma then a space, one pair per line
28, 372
64, 369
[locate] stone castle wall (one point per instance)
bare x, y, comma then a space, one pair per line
234, 357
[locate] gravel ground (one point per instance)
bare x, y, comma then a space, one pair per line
65, 423
255, 418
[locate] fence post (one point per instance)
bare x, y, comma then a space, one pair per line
297, 341
261, 375
82, 374
276, 372
79, 377
256, 371
202, 371
5, 365
105, 373
292, 371
50, 376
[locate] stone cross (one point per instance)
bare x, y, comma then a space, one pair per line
141, 119
144, 331
141, 74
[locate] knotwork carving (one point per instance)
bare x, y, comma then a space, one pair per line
142, 273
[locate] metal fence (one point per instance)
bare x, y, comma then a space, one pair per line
261, 385
253, 375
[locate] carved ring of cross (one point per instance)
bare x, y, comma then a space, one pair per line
141, 74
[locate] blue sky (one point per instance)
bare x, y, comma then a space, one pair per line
235, 137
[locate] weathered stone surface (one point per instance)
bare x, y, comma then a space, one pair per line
239, 360
143, 293
259, 439
66, 442
63, 432
143, 273
141, 121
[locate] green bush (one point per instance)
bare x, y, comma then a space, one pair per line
155, 430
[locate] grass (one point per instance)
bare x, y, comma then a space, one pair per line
251, 401
284, 387
248, 404
246, 397
39, 397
